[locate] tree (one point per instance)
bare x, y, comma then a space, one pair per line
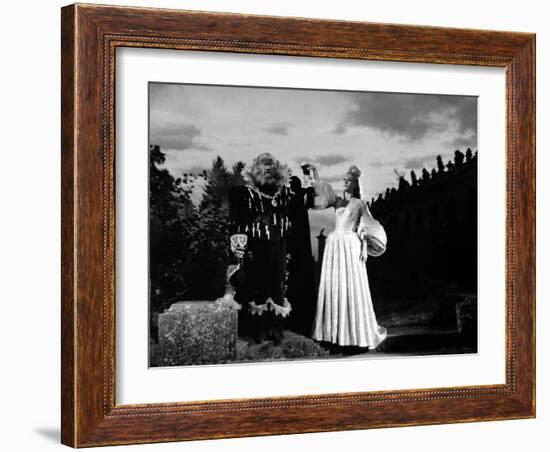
189, 246
216, 192
459, 158
440, 165
414, 180
211, 245
172, 224
237, 178
403, 185
425, 175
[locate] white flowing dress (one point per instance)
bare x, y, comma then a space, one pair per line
345, 313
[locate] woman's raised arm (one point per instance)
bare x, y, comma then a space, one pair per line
324, 194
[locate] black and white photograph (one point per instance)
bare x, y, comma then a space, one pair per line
299, 224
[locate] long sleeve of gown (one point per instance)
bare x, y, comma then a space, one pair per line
373, 232
324, 194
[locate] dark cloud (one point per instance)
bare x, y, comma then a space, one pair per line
176, 135
166, 97
340, 129
324, 159
410, 117
465, 114
331, 159
279, 128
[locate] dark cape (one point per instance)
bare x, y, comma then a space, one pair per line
301, 285
261, 279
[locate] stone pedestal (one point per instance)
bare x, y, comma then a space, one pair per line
197, 332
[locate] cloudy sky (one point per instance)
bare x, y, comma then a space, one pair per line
379, 132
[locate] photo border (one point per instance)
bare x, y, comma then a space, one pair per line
90, 36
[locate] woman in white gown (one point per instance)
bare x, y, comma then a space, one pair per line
345, 314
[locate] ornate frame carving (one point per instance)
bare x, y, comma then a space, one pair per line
90, 36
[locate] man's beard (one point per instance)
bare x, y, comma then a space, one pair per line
269, 180
266, 179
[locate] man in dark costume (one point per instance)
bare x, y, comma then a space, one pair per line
259, 215
301, 286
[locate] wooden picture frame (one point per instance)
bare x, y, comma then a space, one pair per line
90, 36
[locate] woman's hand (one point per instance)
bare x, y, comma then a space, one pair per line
312, 170
364, 254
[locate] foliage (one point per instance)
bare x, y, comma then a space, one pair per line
210, 245
431, 227
189, 250
172, 224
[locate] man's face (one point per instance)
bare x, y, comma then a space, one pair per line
267, 170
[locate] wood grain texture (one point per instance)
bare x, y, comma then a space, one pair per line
67, 224
90, 36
